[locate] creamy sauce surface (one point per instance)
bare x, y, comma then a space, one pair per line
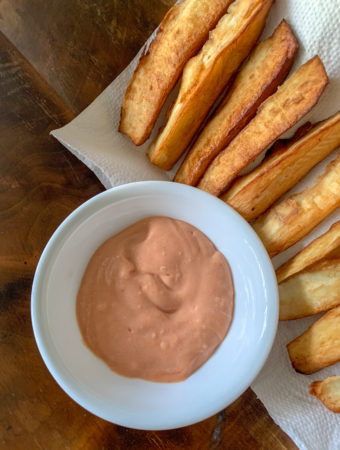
156, 300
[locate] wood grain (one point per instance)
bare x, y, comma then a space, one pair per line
40, 184
80, 46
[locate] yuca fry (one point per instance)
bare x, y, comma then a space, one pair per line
180, 35
288, 221
293, 99
328, 392
319, 346
265, 70
317, 250
255, 192
206, 75
314, 290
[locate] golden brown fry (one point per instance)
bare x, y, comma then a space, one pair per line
328, 392
319, 346
255, 192
206, 75
265, 70
314, 290
180, 35
288, 221
317, 250
293, 99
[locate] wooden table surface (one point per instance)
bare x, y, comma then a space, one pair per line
56, 57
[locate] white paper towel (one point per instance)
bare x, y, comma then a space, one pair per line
94, 139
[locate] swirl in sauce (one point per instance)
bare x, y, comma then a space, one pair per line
156, 300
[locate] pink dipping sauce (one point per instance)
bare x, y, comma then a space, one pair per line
156, 300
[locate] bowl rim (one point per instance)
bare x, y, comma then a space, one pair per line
137, 188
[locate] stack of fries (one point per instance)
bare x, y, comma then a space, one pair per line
233, 104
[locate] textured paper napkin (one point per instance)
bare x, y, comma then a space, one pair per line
94, 139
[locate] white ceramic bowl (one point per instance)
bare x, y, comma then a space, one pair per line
132, 402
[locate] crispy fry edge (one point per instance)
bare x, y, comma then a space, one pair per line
207, 145
329, 241
158, 152
327, 316
170, 17
248, 195
315, 389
